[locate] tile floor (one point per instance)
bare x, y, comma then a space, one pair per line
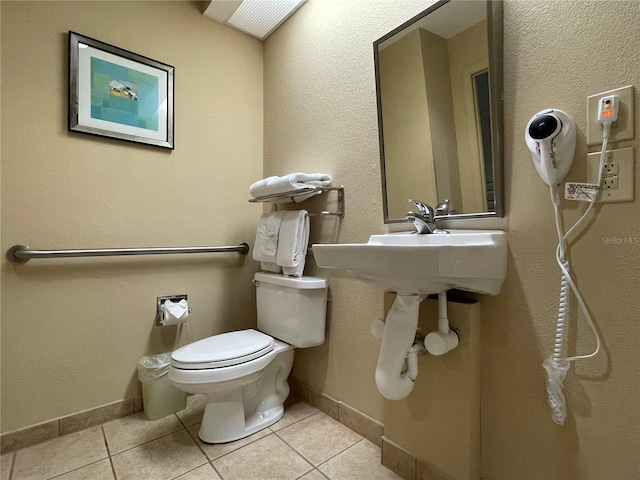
305, 444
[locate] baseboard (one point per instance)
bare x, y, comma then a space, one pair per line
398, 460
368, 427
41, 432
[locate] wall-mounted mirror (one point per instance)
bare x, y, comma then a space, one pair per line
439, 91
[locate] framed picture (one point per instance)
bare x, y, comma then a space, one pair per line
119, 94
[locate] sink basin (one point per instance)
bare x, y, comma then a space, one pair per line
408, 263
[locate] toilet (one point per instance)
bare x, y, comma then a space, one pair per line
244, 373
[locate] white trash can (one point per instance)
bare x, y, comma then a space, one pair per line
160, 397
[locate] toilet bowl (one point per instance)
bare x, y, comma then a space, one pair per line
244, 373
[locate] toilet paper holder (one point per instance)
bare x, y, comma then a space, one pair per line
161, 300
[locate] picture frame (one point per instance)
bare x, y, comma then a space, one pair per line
119, 94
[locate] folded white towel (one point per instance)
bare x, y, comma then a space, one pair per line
266, 244
293, 242
288, 183
270, 267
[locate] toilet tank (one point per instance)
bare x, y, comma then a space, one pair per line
290, 309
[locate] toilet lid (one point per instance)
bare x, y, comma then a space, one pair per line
223, 350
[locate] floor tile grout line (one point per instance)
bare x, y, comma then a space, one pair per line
149, 441
183, 428
13, 463
257, 440
188, 471
195, 439
296, 452
239, 448
340, 453
309, 416
184, 425
308, 460
106, 443
198, 443
313, 469
216, 470
322, 473
294, 423
104, 439
76, 469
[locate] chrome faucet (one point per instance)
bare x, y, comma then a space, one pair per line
425, 219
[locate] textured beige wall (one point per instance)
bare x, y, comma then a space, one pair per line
73, 330
320, 114
556, 55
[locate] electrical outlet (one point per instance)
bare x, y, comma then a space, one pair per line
618, 177
623, 128
610, 168
610, 182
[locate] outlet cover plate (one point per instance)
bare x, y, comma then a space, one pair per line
624, 158
623, 129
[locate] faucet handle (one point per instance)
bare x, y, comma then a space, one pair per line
443, 207
425, 210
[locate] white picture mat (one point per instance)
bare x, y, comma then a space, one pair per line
85, 52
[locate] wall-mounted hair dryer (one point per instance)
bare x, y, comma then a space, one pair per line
551, 137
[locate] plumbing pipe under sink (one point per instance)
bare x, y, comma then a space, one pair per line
397, 339
398, 345
444, 339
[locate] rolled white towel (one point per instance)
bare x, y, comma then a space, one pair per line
293, 242
288, 183
261, 187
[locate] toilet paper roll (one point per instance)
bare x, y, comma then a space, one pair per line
174, 313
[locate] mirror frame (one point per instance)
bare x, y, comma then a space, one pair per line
495, 41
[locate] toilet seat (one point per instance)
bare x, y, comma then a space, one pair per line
224, 350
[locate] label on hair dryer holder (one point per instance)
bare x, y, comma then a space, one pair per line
580, 191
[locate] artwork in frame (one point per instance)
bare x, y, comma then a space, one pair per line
119, 94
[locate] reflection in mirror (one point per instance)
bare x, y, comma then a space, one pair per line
439, 83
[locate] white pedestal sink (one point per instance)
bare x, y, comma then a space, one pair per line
414, 266
409, 263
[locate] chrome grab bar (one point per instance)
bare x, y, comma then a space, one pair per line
23, 253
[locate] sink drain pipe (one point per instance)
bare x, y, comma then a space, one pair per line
397, 341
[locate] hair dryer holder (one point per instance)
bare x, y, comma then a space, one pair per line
551, 138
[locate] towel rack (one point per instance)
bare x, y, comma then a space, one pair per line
22, 253
275, 197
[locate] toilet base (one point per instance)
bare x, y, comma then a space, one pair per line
224, 422
240, 408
